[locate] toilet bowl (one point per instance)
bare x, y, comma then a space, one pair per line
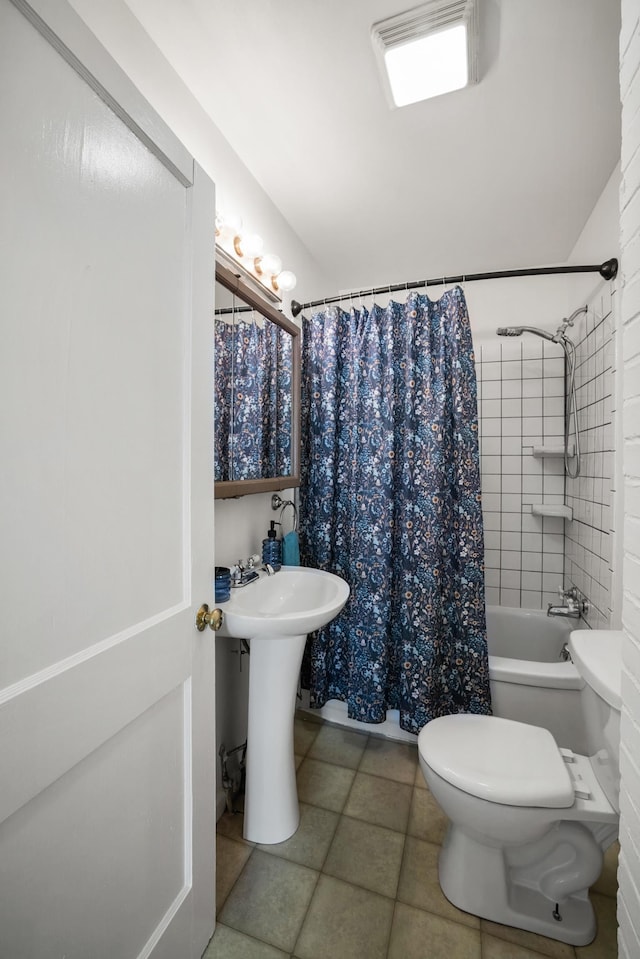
529, 820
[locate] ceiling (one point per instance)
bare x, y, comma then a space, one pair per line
501, 175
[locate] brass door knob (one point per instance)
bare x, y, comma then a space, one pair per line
206, 617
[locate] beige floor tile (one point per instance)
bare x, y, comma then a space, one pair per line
310, 843
345, 922
231, 825
421, 935
493, 948
396, 761
605, 945
229, 944
607, 884
367, 855
420, 780
426, 820
528, 940
323, 784
231, 857
270, 899
339, 746
304, 734
380, 801
419, 885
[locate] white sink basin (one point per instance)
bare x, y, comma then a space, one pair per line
296, 600
275, 613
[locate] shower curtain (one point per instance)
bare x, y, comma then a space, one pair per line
390, 501
252, 384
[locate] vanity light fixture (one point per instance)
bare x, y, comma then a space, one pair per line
242, 252
249, 246
267, 265
284, 282
428, 50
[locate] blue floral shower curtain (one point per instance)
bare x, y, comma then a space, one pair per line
390, 500
253, 392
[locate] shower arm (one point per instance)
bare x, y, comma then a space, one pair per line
564, 326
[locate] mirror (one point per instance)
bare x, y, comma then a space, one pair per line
257, 390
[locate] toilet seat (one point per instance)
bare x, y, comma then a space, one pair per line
499, 760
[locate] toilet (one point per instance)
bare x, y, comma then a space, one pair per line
529, 820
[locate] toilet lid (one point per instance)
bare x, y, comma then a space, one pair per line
497, 759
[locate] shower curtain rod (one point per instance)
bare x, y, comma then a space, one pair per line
607, 270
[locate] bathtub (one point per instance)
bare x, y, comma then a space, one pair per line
529, 680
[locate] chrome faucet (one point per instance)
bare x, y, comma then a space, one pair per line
573, 605
246, 571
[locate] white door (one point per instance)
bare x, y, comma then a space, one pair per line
107, 747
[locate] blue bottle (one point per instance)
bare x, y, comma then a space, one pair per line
222, 584
272, 548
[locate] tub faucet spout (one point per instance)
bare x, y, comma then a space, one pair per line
567, 612
573, 605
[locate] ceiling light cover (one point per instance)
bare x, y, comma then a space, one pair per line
428, 50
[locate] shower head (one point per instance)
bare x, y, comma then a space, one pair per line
519, 330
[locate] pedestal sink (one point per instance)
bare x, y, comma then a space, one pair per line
275, 613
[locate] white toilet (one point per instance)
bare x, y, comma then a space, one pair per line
529, 820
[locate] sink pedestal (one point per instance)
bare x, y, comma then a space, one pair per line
271, 812
275, 613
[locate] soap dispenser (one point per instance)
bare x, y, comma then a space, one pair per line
272, 548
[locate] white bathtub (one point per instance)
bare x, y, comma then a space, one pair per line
529, 680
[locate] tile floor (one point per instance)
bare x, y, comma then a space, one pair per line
359, 879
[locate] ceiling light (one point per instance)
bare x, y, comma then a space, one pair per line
428, 50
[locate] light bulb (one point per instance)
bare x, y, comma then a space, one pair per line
249, 245
228, 223
284, 282
268, 265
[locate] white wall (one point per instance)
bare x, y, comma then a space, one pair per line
236, 188
629, 873
520, 393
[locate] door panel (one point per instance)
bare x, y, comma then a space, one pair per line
102, 223
107, 746
123, 838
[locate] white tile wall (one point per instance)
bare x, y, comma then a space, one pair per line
521, 387
588, 538
521, 405
629, 871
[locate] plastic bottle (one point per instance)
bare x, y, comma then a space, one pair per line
272, 548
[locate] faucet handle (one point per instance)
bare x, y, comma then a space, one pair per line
571, 593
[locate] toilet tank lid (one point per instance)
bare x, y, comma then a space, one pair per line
597, 655
497, 759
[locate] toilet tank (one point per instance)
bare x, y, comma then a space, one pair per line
597, 655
